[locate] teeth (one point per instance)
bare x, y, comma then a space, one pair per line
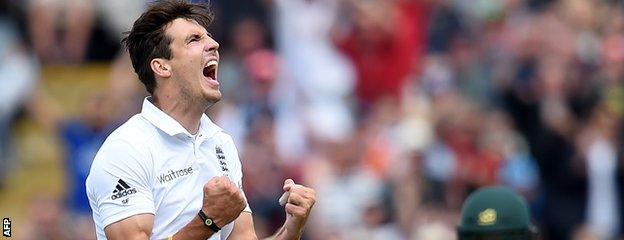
212, 63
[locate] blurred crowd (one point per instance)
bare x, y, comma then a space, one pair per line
393, 110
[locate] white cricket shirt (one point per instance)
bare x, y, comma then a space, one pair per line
151, 164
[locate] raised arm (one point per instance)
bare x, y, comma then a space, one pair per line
300, 201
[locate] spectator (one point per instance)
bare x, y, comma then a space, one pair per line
75, 19
19, 73
312, 92
386, 38
81, 139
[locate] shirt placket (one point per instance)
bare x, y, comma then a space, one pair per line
197, 142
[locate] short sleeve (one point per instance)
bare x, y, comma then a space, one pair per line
119, 185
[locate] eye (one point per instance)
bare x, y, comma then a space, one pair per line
195, 38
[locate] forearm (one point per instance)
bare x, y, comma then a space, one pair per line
278, 233
283, 234
193, 230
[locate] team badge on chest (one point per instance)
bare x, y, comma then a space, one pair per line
221, 158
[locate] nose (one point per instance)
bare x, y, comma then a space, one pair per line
212, 45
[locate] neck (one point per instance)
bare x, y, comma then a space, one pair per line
187, 113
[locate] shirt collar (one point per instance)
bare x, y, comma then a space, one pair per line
172, 127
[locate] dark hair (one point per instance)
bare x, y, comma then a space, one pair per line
147, 39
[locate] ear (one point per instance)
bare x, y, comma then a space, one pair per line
160, 67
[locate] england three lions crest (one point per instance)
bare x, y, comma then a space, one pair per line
222, 161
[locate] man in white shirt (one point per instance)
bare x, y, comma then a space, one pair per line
169, 172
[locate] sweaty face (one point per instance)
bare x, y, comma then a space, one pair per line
194, 61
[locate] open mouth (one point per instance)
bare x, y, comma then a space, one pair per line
210, 70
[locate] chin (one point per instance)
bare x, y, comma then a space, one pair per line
213, 97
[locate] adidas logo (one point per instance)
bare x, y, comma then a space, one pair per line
122, 189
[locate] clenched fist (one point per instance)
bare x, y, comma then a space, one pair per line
223, 200
300, 201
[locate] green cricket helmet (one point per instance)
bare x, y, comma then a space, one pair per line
495, 213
